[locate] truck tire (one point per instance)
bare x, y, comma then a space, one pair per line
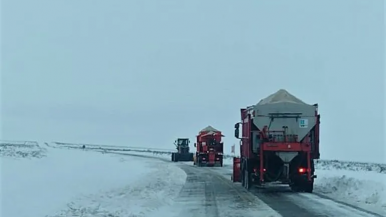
242, 178
295, 187
247, 179
172, 157
309, 187
302, 187
247, 175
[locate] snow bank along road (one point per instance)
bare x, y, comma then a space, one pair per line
61, 182
49, 182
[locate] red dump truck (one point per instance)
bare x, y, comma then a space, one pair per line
209, 148
279, 142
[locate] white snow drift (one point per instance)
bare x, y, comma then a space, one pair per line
84, 183
359, 188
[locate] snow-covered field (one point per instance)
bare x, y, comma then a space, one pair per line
49, 182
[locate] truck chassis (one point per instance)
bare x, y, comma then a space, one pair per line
209, 159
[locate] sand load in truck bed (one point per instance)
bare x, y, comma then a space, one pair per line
209, 129
284, 109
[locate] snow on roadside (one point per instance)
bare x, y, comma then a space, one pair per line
21, 150
142, 197
86, 183
359, 188
349, 165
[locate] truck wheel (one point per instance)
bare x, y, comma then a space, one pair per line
295, 187
309, 187
242, 176
302, 187
172, 157
247, 180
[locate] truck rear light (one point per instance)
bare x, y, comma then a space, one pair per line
255, 170
302, 170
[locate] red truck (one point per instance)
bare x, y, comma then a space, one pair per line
209, 148
279, 142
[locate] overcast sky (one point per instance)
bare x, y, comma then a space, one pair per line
143, 72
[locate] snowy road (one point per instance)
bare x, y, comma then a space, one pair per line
209, 192
292, 204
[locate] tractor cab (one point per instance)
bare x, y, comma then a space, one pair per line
182, 142
182, 145
183, 154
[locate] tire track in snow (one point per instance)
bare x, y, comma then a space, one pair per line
207, 194
280, 199
294, 204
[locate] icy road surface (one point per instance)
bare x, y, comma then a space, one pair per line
337, 193
84, 183
340, 193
